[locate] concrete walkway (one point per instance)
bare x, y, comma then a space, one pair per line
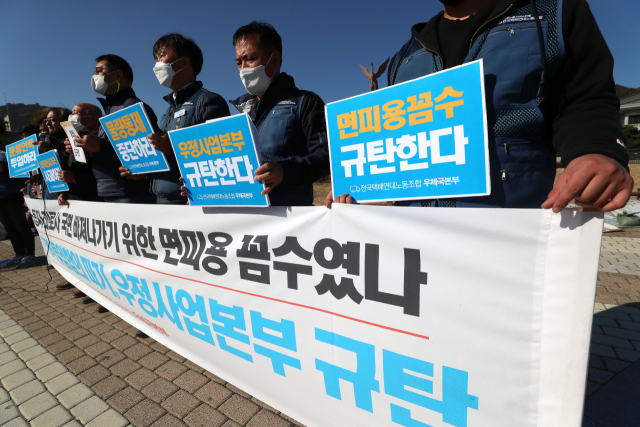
62, 363
613, 386
39, 389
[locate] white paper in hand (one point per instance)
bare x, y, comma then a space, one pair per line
78, 153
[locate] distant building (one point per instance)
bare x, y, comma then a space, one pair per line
630, 110
13, 122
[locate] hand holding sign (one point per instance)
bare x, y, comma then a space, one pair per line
88, 142
160, 142
66, 176
67, 146
345, 199
593, 180
34, 180
271, 174
126, 173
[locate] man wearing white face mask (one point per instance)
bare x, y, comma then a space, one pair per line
179, 61
113, 77
290, 121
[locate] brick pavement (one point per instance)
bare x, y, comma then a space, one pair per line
151, 385
80, 367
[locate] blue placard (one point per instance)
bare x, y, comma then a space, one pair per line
21, 157
127, 130
217, 160
50, 166
425, 138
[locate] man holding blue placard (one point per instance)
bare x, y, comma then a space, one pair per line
290, 121
12, 215
179, 61
113, 78
561, 101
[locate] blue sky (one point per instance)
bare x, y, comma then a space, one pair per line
48, 48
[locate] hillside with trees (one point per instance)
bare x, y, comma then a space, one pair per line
623, 91
22, 114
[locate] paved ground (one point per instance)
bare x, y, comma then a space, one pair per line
64, 364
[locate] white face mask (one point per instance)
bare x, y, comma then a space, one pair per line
164, 72
255, 80
99, 85
76, 122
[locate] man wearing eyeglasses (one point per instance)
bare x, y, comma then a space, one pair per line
113, 78
54, 141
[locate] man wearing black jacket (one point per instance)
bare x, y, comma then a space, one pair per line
562, 100
113, 77
290, 121
179, 61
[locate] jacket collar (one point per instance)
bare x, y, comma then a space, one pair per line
183, 94
426, 32
281, 84
117, 98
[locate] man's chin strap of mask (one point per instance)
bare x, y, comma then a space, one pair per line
117, 81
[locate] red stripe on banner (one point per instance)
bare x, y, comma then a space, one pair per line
247, 293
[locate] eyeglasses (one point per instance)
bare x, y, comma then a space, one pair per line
100, 70
51, 120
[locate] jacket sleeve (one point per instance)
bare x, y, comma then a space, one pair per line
583, 93
314, 165
85, 186
153, 119
213, 106
106, 149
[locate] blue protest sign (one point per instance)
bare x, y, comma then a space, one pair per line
21, 157
425, 138
127, 130
50, 166
217, 160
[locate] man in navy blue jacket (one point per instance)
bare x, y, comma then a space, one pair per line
549, 89
179, 62
113, 77
290, 121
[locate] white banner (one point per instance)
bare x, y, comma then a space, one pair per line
355, 316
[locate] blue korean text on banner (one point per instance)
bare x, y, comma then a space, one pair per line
21, 157
127, 130
217, 161
425, 138
50, 166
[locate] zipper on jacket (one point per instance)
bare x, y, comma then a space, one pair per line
512, 31
486, 22
505, 148
504, 175
434, 53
